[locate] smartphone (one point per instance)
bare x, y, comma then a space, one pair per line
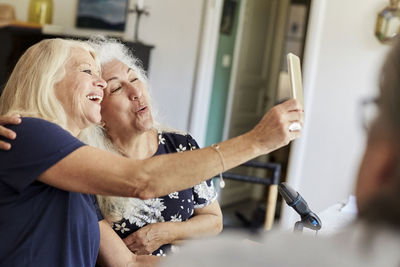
296, 82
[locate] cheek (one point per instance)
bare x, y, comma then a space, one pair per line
366, 180
66, 95
110, 109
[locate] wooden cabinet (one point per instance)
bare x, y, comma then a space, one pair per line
15, 40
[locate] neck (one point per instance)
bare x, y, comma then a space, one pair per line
136, 145
73, 129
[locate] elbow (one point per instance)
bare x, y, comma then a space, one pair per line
147, 190
144, 195
219, 226
140, 184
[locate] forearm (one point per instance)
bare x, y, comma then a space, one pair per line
113, 251
197, 226
183, 170
206, 221
93, 171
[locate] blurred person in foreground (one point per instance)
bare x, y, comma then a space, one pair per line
372, 240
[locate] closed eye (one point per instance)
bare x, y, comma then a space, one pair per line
134, 80
116, 89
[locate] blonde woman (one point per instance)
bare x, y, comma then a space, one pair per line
48, 218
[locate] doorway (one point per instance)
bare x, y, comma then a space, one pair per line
249, 78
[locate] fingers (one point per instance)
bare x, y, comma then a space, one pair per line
294, 134
4, 132
4, 146
137, 249
274, 130
11, 119
7, 133
132, 246
292, 105
295, 116
131, 242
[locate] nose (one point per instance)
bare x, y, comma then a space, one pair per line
134, 92
99, 82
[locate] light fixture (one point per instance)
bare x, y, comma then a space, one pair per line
388, 22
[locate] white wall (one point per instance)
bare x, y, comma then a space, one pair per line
343, 59
173, 27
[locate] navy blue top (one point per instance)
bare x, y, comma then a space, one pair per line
177, 206
41, 225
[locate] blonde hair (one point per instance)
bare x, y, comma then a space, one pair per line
30, 88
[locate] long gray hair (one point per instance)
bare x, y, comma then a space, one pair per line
107, 50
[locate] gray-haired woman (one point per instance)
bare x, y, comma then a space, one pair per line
147, 226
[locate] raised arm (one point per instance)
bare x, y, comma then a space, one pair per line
206, 221
7, 133
91, 170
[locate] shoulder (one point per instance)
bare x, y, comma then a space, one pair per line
38, 146
29, 125
178, 139
37, 134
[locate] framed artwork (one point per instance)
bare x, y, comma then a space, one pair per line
102, 14
228, 17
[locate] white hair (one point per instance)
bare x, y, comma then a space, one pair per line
108, 50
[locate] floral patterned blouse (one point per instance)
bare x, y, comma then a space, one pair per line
177, 206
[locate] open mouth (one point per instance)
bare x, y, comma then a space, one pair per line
95, 98
142, 109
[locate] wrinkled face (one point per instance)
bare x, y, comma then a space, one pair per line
81, 90
126, 100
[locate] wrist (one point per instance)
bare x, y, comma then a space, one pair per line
167, 231
252, 142
172, 231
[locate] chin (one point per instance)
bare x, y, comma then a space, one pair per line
94, 120
144, 127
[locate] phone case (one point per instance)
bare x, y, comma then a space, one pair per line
296, 83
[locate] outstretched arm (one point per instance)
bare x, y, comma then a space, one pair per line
90, 170
206, 221
7, 133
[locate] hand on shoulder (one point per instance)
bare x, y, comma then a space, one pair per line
7, 133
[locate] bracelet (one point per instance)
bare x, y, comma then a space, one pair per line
215, 147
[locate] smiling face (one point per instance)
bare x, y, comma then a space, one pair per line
81, 90
126, 101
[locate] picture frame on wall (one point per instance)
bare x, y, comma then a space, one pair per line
102, 14
228, 17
